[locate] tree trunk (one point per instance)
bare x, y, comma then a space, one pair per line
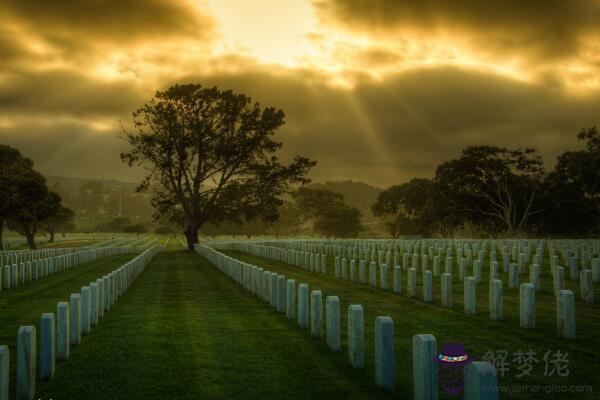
1, 234
191, 234
31, 240
51, 232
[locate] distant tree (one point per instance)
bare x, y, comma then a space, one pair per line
42, 205
209, 156
339, 222
405, 207
331, 216
493, 187
572, 191
289, 219
118, 223
135, 228
164, 230
314, 201
57, 217
16, 172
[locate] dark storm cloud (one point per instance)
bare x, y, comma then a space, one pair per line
82, 25
61, 103
404, 126
551, 28
70, 148
380, 132
59, 93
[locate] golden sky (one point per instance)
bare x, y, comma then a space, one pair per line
379, 90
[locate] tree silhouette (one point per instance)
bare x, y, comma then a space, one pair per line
210, 157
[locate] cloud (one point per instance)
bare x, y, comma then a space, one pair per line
551, 29
382, 132
80, 26
59, 93
69, 71
403, 126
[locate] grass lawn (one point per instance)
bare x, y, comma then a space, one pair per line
25, 304
478, 334
185, 331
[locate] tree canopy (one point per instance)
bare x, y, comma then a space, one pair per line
26, 203
331, 216
210, 157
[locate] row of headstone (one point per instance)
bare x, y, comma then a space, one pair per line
518, 251
345, 270
17, 274
316, 262
285, 297
61, 331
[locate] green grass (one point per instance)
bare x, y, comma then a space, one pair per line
25, 304
185, 331
479, 334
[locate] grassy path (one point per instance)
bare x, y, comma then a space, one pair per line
477, 333
185, 331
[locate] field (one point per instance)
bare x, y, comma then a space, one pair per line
184, 330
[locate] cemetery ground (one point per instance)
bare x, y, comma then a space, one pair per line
185, 331
24, 304
478, 333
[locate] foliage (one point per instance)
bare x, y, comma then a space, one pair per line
135, 228
210, 157
26, 204
405, 207
493, 187
331, 216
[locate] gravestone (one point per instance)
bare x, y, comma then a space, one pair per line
446, 288
47, 346
4, 371
427, 286
470, 295
481, 381
565, 314
424, 348
316, 313
527, 306
303, 305
412, 282
385, 362
333, 323
26, 362
356, 336
63, 330
290, 303
362, 274
75, 319
383, 275
397, 279
496, 300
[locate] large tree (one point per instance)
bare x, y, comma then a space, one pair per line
494, 188
210, 157
405, 207
58, 220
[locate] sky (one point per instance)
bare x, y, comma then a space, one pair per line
379, 91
